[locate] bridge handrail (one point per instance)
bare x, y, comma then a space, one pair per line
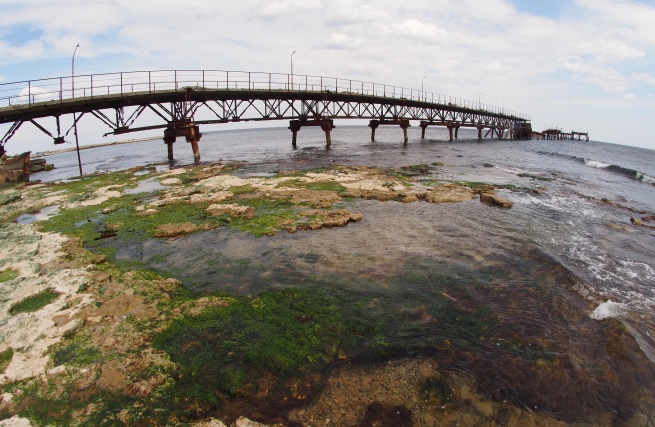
123, 83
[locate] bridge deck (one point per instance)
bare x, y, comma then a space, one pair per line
184, 99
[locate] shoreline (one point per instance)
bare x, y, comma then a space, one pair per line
86, 147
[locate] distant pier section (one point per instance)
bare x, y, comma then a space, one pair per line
559, 135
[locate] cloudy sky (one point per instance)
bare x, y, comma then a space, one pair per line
577, 64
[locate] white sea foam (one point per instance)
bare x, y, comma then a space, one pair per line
596, 164
645, 178
609, 309
514, 171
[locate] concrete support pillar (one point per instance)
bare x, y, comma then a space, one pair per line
456, 131
450, 131
170, 134
404, 125
327, 126
294, 127
193, 135
423, 125
480, 133
373, 124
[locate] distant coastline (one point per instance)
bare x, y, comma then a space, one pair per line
85, 147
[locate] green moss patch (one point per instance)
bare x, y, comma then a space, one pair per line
80, 189
34, 302
288, 333
242, 189
270, 216
5, 358
76, 352
8, 275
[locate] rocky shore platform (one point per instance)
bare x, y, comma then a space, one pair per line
91, 334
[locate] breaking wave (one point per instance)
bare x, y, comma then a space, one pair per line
617, 169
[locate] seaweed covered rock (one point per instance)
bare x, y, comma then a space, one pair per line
231, 209
9, 197
329, 219
449, 193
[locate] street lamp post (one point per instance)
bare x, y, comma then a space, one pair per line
479, 102
292, 69
77, 141
422, 92
73, 71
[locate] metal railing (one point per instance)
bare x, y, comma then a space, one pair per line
60, 89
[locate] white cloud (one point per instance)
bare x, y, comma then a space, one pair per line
417, 30
644, 78
464, 47
606, 78
275, 8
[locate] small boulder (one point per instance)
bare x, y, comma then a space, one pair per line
174, 230
171, 181
495, 200
449, 193
245, 422
329, 219
231, 209
636, 221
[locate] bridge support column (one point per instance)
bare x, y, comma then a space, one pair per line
373, 124
450, 130
480, 132
326, 125
423, 125
170, 134
183, 128
193, 135
294, 126
404, 125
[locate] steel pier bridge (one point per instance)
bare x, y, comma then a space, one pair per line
180, 101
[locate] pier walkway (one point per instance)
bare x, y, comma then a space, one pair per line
180, 101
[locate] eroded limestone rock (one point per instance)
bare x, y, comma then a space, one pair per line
493, 199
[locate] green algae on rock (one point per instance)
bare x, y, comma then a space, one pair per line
7, 275
34, 302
